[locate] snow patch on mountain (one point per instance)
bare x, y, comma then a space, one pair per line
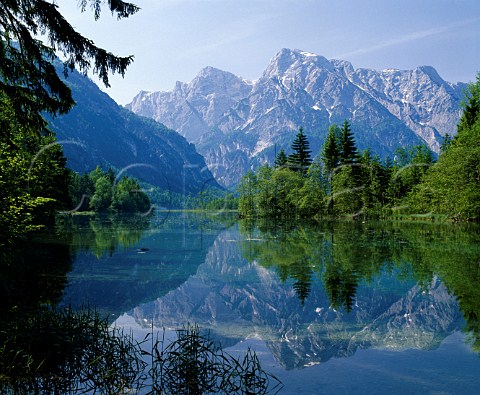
221, 112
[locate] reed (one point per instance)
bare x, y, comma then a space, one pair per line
195, 364
62, 351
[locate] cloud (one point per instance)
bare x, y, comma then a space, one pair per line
407, 38
230, 33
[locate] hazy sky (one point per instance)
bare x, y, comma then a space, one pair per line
172, 40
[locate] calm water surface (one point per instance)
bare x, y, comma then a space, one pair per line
335, 308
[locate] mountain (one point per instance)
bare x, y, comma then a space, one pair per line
137, 264
238, 124
234, 299
99, 132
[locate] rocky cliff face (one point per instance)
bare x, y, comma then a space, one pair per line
237, 124
193, 108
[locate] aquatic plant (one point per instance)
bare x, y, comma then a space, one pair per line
62, 351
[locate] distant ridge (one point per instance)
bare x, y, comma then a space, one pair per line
99, 132
238, 124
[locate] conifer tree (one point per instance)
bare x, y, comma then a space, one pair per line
281, 160
471, 107
347, 179
331, 149
27, 72
452, 185
348, 149
447, 140
300, 159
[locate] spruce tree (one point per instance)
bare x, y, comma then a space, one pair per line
28, 76
281, 160
331, 149
300, 159
471, 107
447, 140
348, 149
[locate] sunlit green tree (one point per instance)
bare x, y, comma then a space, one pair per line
247, 190
452, 185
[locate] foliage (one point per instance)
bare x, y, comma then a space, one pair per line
27, 73
62, 351
247, 190
101, 191
354, 185
281, 160
300, 159
331, 150
347, 149
452, 185
213, 200
347, 190
32, 178
70, 352
290, 189
194, 364
471, 108
409, 170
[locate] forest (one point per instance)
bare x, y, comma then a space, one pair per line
103, 191
344, 182
34, 179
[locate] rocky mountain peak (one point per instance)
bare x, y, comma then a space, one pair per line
287, 61
237, 125
432, 74
211, 80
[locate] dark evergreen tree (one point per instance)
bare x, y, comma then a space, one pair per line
375, 182
281, 160
447, 140
471, 107
27, 72
300, 159
111, 175
348, 149
347, 182
331, 149
81, 190
410, 167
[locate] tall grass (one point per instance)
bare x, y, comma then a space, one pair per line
76, 352
53, 351
194, 364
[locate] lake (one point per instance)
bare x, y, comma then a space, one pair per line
330, 308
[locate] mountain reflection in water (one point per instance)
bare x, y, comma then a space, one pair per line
317, 292
381, 294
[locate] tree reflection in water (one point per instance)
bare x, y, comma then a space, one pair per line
45, 349
344, 254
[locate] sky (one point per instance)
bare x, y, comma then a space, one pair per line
172, 40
